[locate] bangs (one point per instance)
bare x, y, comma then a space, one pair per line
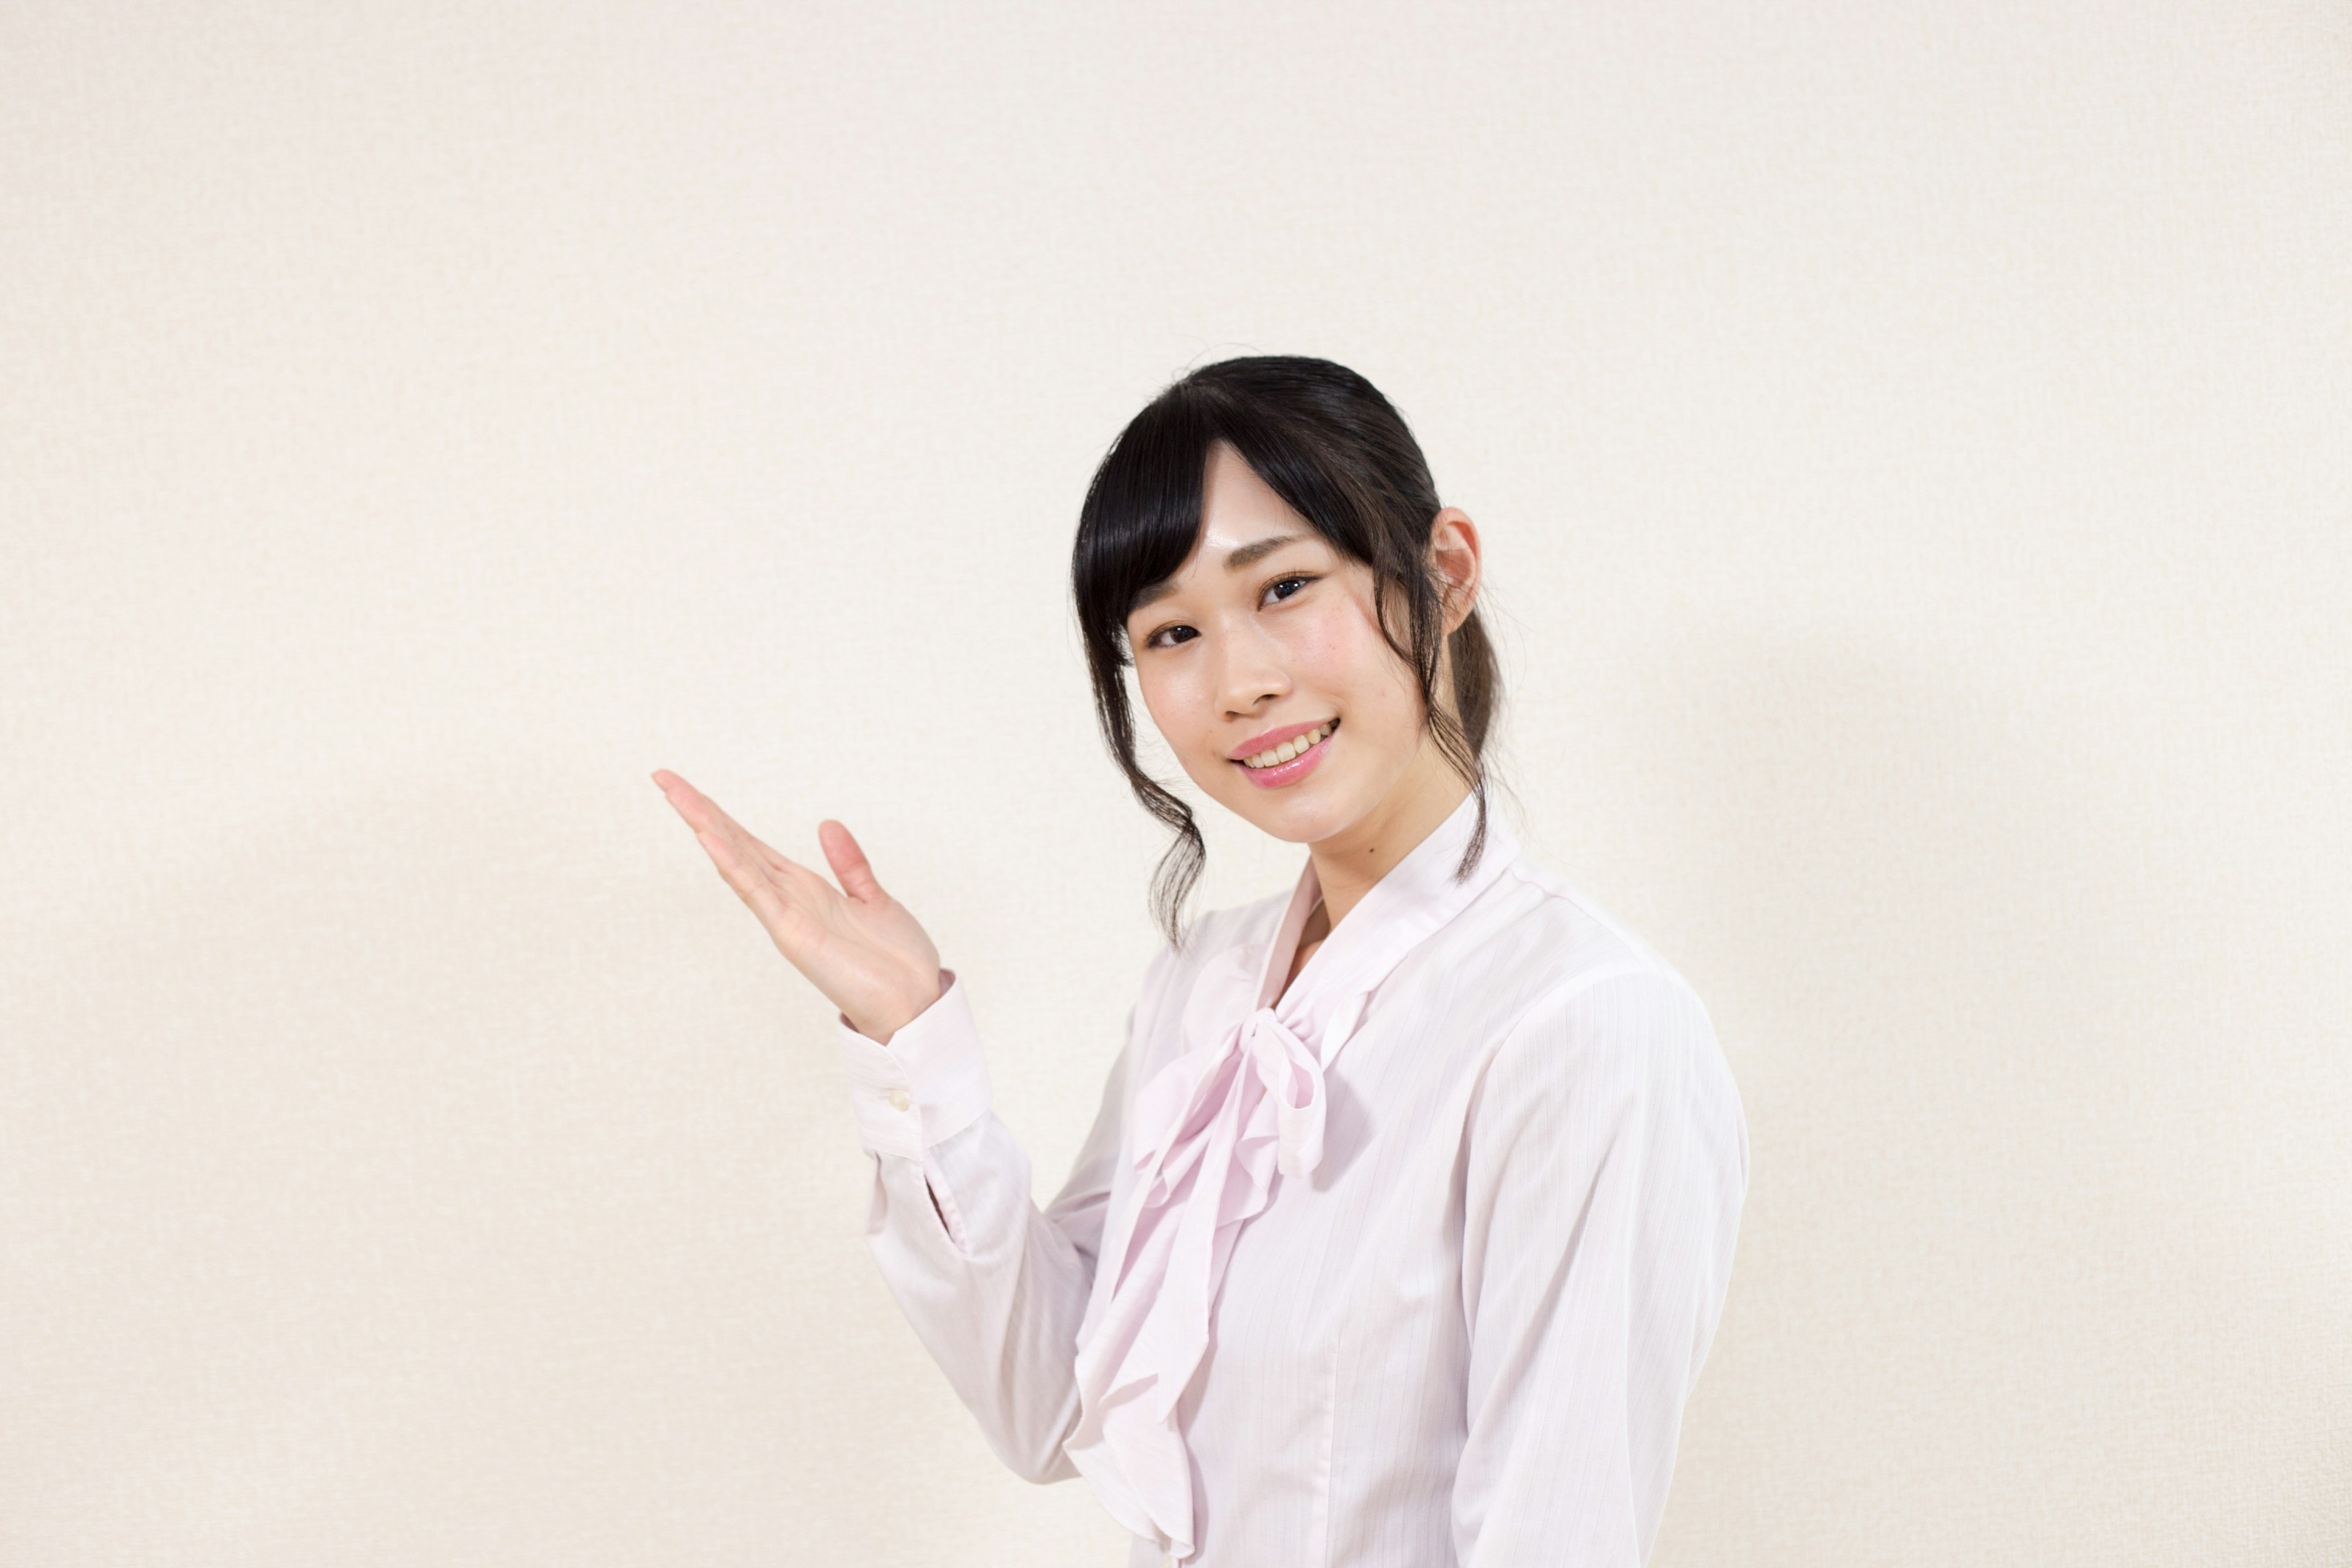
1142, 510
1141, 514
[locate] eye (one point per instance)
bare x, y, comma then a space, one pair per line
1166, 636
1275, 587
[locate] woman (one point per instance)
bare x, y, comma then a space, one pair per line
1408, 1214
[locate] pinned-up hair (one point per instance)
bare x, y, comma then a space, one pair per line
1325, 441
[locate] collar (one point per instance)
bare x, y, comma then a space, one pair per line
1415, 898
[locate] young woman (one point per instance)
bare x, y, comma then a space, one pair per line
1408, 1214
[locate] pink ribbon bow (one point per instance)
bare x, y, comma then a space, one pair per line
1214, 1127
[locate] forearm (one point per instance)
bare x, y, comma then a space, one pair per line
993, 1287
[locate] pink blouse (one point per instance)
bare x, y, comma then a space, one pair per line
1414, 1263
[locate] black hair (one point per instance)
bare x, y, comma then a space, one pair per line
1325, 441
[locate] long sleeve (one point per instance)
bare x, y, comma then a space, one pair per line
1606, 1169
994, 1287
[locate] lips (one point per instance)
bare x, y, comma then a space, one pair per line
1275, 755
1291, 758
1257, 746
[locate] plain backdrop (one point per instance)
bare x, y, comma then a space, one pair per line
1911, 444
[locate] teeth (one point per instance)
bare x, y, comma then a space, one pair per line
1287, 750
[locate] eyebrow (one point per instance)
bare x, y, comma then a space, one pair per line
1243, 557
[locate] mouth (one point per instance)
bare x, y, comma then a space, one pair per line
1292, 760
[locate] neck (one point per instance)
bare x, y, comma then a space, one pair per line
1348, 863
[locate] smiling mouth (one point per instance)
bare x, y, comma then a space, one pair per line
1274, 757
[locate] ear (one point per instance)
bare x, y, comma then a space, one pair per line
1453, 555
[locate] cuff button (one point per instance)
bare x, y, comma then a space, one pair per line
899, 1100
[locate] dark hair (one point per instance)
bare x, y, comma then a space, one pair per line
1325, 441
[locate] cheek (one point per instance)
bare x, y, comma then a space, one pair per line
1323, 650
1173, 704
1340, 654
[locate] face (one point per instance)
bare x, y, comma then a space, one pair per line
1262, 665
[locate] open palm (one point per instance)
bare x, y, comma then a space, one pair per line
856, 942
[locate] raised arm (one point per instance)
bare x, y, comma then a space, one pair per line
1608, 1165
994, 1287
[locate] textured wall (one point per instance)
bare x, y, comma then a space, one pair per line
1911, 444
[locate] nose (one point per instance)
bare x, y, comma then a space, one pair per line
1249, 672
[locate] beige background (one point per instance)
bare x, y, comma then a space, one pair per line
1911, 448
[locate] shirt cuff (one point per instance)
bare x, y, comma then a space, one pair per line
927, 1085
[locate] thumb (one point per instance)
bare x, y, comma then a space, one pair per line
849, 862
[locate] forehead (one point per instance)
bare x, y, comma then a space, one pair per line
1237, 506
1242, 522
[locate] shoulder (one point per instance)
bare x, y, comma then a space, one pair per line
1214, 939
1602, 1022
1530, 945
1584, 943
1215, 931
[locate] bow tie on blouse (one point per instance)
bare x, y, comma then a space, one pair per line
1211, 1129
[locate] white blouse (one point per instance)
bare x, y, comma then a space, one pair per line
1414, 1263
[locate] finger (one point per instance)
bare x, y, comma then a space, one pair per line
750, 853
804, 883
704, 815
685, 799
696, 807
779, 862
849, 862
729, 859
688, 800
786, 918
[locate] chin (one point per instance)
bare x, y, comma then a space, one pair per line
1325, 802
1302, 819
